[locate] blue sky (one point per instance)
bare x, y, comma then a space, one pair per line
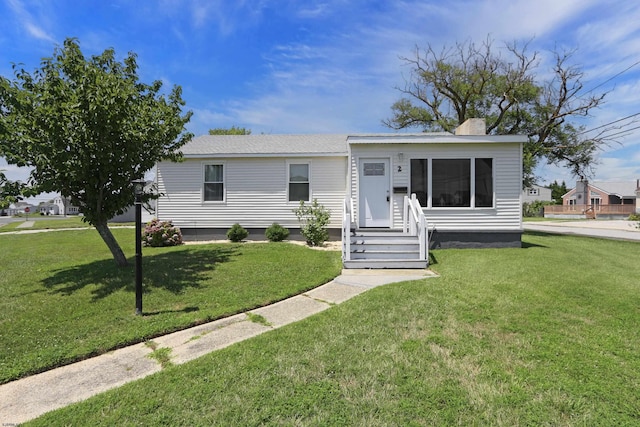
329, 66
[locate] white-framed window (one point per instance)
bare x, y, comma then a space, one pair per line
299, 181
464, 182
213, 185
533, 191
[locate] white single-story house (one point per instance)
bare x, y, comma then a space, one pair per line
442, 190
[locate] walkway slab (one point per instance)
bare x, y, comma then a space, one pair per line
26, 224
31, 397
213, 339
335, 293
374, 278
291, 310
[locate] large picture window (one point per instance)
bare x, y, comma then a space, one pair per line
299, 182
213, 183
453, 182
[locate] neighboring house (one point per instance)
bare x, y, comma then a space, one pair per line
48, 209
468, 185
536, 193
70, 209
601, 199
21, 208
57, 207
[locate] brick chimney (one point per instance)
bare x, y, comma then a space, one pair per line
472, 127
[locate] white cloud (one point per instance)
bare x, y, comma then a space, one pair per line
27, 21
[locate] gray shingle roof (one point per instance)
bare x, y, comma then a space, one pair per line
261, 145
316, 144
625, 189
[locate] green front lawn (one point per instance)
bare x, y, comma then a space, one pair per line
544, 335
44, 223
62, 297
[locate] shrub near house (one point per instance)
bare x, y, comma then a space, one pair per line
161, 233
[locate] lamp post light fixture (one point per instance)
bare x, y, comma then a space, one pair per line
138, 187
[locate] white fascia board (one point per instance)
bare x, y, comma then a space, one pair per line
260, 155
438, 139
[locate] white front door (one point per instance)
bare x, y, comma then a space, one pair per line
374, 205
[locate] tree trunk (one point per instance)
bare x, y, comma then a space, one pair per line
112, 244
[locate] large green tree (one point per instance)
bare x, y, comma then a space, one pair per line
448, 86
88, 127
557, 191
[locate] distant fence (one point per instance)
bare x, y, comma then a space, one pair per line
590, 211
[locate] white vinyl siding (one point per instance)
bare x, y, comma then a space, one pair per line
256, 192
505, 214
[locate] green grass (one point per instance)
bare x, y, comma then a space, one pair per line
62, 297
542, 219
52, 224
544, 335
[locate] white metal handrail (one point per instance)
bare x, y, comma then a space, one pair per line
414, 223
347, 220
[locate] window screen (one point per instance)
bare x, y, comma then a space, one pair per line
299, 182
213, 183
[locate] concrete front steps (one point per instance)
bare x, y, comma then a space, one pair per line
384, 249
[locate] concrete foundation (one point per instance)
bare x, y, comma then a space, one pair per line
475, 239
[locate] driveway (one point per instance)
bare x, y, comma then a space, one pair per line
607, 229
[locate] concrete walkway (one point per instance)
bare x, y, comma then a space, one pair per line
30, 397
26, 224
606, 229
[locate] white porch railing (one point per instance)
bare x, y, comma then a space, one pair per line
414, 223
347, 221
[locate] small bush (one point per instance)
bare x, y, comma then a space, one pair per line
313, 220
237, 233
161, 233
534, 209
634, 217
276, 233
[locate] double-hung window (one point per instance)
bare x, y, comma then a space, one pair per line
299, 182
213, 183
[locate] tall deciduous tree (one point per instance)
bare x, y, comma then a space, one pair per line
88, 127
557, 191
447, 87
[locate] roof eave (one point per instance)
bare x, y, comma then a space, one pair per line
260, 155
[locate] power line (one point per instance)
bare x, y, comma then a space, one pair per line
613, 77
608, 124
623, 132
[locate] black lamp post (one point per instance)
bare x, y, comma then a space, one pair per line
138, 186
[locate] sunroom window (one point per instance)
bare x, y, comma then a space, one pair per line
454, 182
451, 182
484, 183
